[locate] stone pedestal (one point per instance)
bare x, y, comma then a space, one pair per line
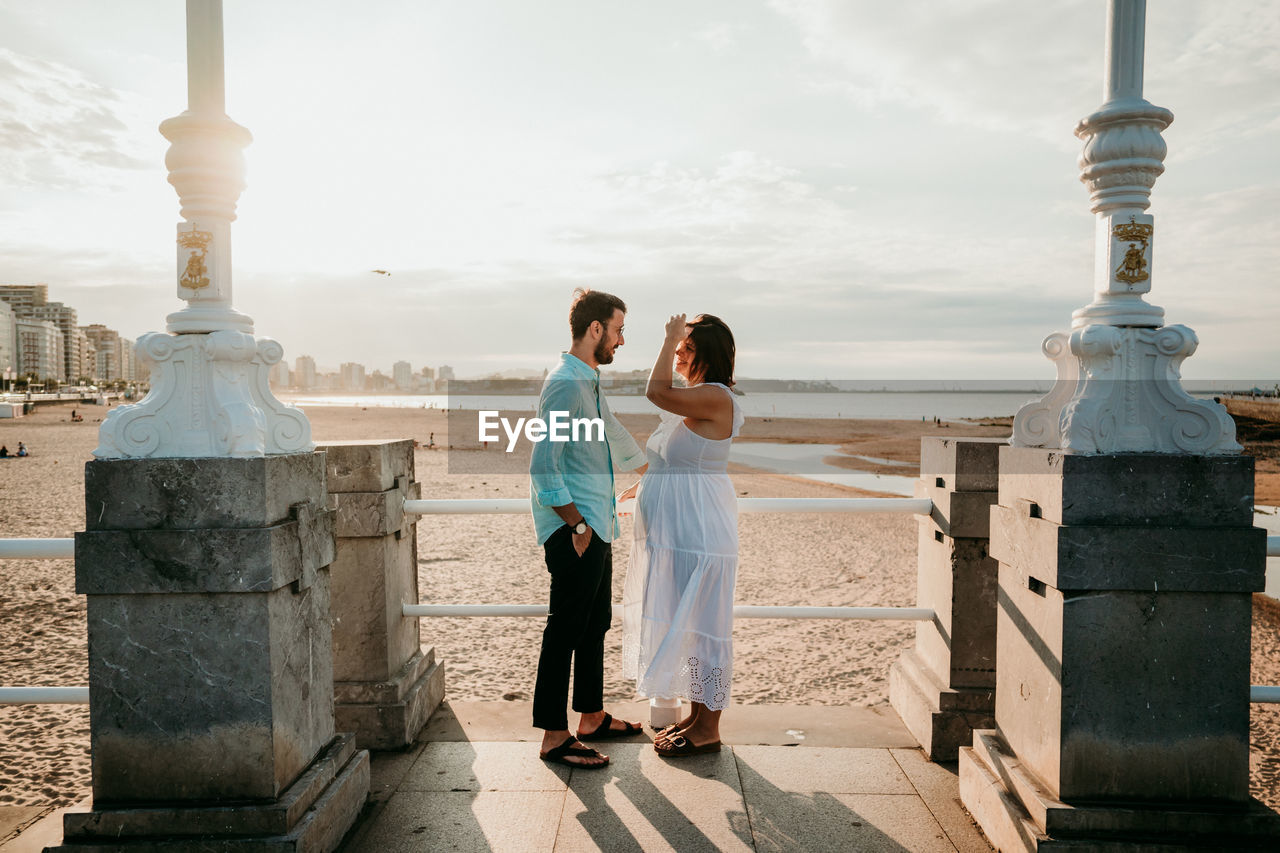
1123, 633
210, 663
385, 683
944, 688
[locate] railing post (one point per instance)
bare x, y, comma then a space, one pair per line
1127, 555
1123, 643
210, 662
385, 683
944, 687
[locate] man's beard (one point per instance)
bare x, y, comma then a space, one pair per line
603, 353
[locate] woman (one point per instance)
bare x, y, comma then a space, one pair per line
678, 598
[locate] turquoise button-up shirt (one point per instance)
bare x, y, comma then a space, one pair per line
579, 471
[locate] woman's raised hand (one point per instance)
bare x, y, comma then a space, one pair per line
677, 328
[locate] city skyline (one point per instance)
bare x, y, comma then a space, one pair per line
859, 190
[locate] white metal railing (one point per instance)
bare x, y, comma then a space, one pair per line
37, 549
741, 611
1265, 694
44, 695
520, 506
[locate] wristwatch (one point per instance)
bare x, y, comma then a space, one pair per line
581, 527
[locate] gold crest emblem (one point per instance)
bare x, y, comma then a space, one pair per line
196, 274
1133, 268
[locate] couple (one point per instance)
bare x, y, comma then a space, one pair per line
678, 596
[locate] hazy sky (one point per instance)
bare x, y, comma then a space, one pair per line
860, 189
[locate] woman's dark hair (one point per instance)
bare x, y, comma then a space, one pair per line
713, 350
589, 306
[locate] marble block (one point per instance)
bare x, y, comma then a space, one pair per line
1125, 695
370, 465
1159, 489
210, 659
386, 684
944, 687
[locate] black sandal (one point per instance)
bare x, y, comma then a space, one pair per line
571, 748
605, 730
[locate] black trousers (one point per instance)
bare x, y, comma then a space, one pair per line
581, 609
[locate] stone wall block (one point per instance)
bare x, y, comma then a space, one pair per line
957, 579
1113, 695
386, 684
1094, 557
207, 696
180, 493
367, 466
943, 688
960, 515
206, 560
363, 621
963, 464
1156, 489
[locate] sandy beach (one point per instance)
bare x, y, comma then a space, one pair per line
806, 559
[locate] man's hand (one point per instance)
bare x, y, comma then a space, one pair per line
582, 540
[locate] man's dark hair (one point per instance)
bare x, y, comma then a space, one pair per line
589, 306
713, 350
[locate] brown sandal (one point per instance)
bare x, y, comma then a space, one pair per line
680, 746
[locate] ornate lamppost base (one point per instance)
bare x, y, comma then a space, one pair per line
1119, 391
209, 397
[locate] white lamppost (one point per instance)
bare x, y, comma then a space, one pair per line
1119, 387
209, 394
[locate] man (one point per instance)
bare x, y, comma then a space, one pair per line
572, 492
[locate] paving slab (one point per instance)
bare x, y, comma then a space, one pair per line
643, 802
884, 823
464, 766
939, 787
388, 769
13, 818
771, 770
45, 832
484, 822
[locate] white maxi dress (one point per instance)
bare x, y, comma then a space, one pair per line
677, 603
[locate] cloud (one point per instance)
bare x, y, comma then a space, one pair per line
59, 129
720, 37
1000, 65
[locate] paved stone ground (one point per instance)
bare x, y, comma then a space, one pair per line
789, 778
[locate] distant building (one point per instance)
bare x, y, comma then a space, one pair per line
402, 375
8, 339
304, 372
31, 301
445, 374
64, 319
40, 350
379, 381
128, 360
87, 357
24, 297
278, 377
352, 375
106, 346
